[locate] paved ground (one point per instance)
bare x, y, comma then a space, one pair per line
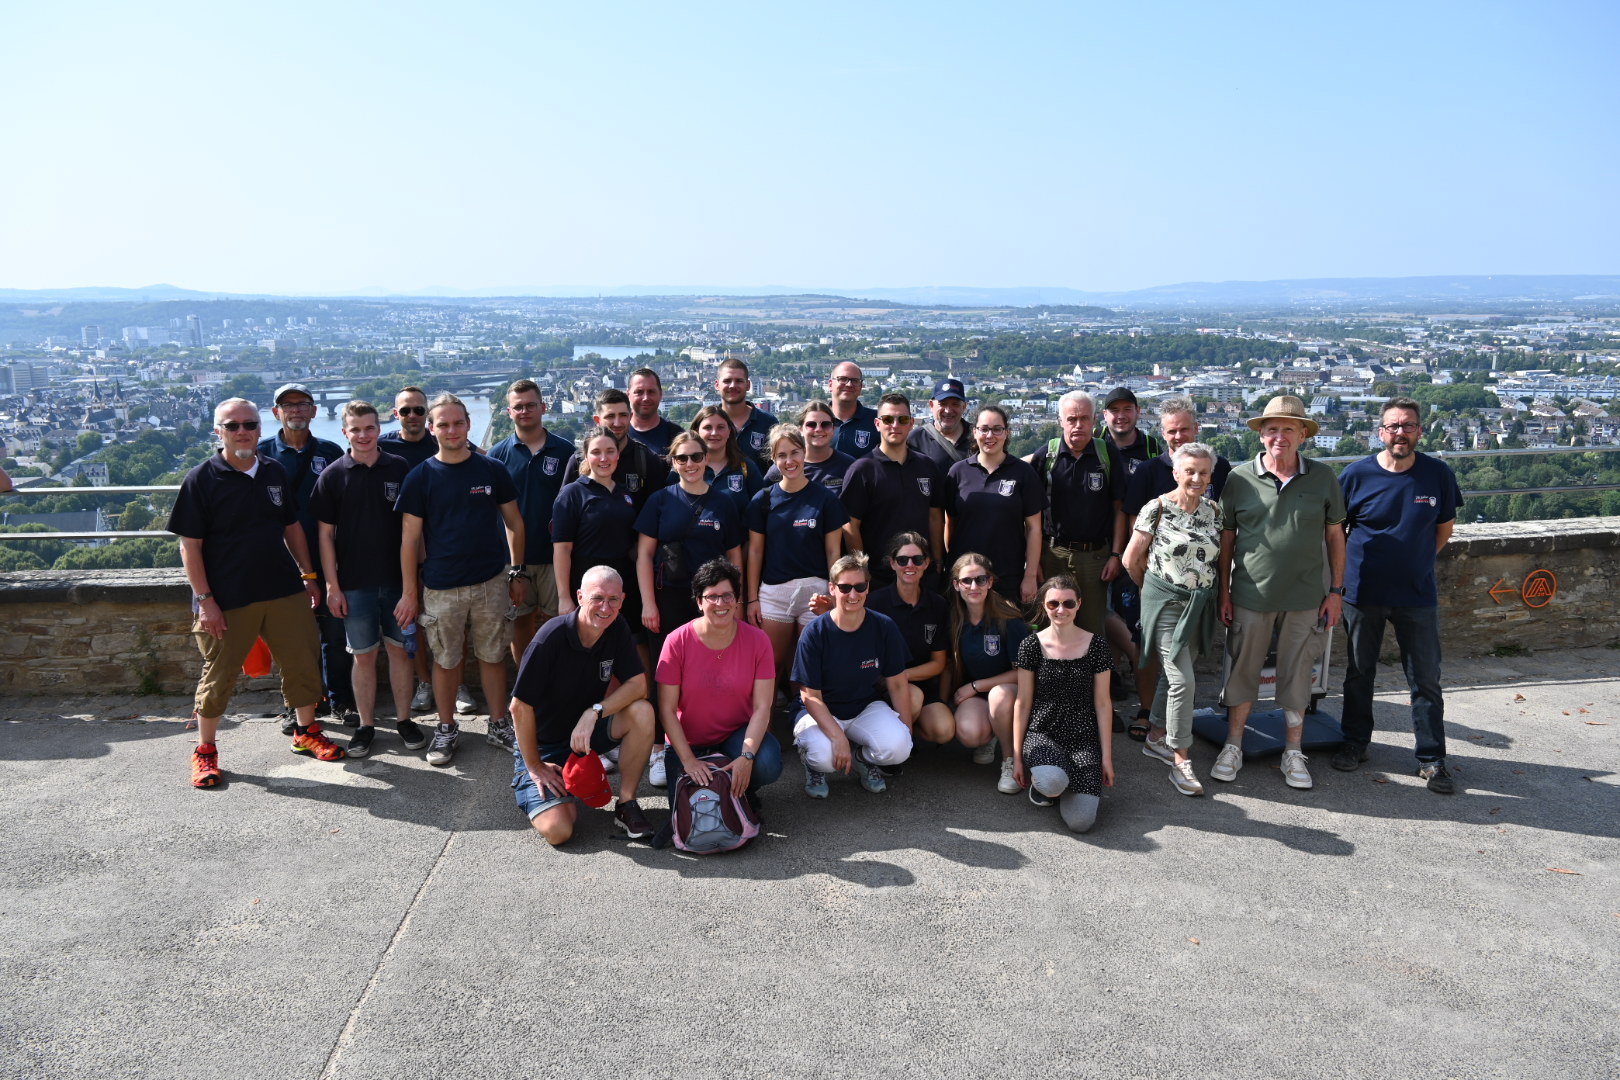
379, 918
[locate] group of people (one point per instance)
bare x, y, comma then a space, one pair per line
892, 582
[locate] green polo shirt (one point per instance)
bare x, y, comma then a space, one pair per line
1279, 562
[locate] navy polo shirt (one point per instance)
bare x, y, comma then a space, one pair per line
985, 650
413, 452
242, 521
1127, 462
795, 527
829, 473
849, 667
1158, 477
538, 478
560, 678
708, 533
658, 439
460, 507
1081, 495
302, 468
922, 441
751, 438
640, 472
857, 436
988, 509
923, 627
1389, 560
359, 500
601, 526
738, 485
889, 496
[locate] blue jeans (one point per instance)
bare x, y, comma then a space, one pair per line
1417, 633
370, 620
767, 759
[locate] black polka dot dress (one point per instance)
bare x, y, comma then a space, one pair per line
1063, 718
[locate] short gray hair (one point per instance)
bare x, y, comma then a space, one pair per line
228, 403
1078, 395
601, 573
1177, 405
1193, 450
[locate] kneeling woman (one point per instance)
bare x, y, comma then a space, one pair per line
716, 677
986, 631
921, 616
1060, 749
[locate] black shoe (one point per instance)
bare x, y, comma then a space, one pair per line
360, 741
348, 716
1440, 781
289, 721
1349, 756
628, 816
323, 707
412, 735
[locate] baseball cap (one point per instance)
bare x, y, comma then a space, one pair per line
949, 388
1117, 395
290, 388
586, 780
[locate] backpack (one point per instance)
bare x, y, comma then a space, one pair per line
708, 818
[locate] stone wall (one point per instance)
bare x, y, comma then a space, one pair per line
129, 630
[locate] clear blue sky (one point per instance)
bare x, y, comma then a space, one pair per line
321, 147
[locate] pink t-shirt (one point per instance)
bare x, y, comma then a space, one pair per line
717, 692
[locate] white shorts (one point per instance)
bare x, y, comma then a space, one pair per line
789, 602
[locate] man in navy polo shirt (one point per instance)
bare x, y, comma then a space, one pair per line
303, 456
1081, 496
537, 460
359, 533
640, 470
647, 426
244, 554
455, 503
892, 490
413, 441
1400, 508
947, 440
562, 702
857, 433
753, 424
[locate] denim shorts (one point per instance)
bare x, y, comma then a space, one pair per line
370, 620
530, 798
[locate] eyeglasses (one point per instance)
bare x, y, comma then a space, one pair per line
897, 420
300, 406
687, 459
524, 406
605, 601
848, 380
817, 425
412, 410
991, 430
720, 600
1063, 605
1400, 429
847, 587
909, 560
238, 425
976, 581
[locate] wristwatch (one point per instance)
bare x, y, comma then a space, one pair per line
200, 597
747, 755
1337, 590
598, 708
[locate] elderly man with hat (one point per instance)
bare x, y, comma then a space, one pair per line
947, 440
1282, 571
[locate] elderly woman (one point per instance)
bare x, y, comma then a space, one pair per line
1173, 555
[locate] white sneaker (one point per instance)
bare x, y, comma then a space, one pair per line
1007, 785
1158, 748
1186, 781
610, 760
657, 776
986, 754
1227, 763
464, 700
422, 700
1295, 774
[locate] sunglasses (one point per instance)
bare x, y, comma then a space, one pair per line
908, 560
687, 459
976, 580
847, 587
412, 410
817, 425
238, 425
896, 421
1065, 605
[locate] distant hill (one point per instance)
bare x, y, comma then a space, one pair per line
146, 294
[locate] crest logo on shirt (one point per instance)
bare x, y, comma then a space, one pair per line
1094, 481
863, 439
548, 466
735, 482
632, 481
391, 490
604, 670
1130, 466
1431, 500
925, 485
756, 439
805, 523
1004, 488
869, 665
992, 644
929, 630
274, 491
482, 489
316, 464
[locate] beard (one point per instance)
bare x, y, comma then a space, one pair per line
295, 424
244, 453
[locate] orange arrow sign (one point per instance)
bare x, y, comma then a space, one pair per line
1503, 590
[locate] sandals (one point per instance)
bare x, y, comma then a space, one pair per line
1140, 726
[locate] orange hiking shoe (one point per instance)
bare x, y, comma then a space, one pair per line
205, 766
311, 741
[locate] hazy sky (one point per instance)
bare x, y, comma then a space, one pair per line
324, 147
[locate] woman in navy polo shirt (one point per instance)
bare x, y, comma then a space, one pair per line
726, 467
921, 616
794, 538
986, 630
694, 516
593, 523
822, 463
993, 505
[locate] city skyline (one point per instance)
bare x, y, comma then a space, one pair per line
346, 150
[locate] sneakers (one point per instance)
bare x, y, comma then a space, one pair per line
1440, 781
610, 760
1037, 798
501, 734
347, 716
411, 734
422, 700
205, 766
1185, 780
815, 783
1158, 748
444, 744
1348, 757
1295, 774
870, 776
657, 775
1007, 785
464, 700
313, 741
628, 817
360, 742
289, 722
986, 754
1227, 763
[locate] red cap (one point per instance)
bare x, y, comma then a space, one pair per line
586, 780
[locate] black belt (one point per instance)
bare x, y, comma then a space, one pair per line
1081, 545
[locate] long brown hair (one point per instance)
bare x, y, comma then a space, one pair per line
997, 608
